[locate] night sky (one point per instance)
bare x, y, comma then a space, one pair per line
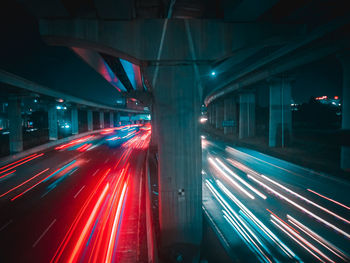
24, 53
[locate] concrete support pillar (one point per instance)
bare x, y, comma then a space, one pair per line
208, 114
219, 114
280, 122
75, 123
89, 120
118, 118
111, 119
230, 115
154, 137
246, 115
102, 120
212, 114
177, 108
53, 123
15, 119
345, 149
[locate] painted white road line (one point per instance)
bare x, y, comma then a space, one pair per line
4, 226
96, 172
43, 234
79, 192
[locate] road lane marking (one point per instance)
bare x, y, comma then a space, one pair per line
74, 171
96, 172
43, 234
4, 226
79, 192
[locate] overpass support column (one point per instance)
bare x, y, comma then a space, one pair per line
111, 119
177, 108
209, 114
75, 123
212, 109
154, 137
90, 120
53, 123
229, 115
280, 123
102, 120
219, 115
214, 115
15, 119
246, 115
118, 118
345, 149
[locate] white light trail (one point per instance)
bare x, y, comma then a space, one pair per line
305, 199
318, 238
230, 179
240, 179
301, 239
301, 208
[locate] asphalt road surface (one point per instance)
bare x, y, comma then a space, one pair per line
68, 203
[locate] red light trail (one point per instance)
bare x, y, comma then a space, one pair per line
19, 163
14, 188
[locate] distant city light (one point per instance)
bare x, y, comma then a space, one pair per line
35, 100
203, 119
321, 98
65, 126
213, 73
336, 97
60, 100
58, 107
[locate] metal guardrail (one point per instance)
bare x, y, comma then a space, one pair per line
152, 249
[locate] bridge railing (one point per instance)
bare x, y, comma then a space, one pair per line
152, 249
